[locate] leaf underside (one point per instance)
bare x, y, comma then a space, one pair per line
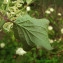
32, 31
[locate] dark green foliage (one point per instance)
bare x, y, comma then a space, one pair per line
20, 37
1, 23
1, 2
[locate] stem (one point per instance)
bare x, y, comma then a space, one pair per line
7, 5
5, 18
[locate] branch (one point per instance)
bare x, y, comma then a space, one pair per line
5, 17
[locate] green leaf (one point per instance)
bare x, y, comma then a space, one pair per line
1, 23
28, 1
33, 31
1, 2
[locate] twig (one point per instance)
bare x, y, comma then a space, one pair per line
5, 17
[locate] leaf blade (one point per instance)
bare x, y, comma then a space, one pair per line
35, 31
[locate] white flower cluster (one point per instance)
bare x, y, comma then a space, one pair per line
50, 28
20, 51
49, 10
2, 45
55, 40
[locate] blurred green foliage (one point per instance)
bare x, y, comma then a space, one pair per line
38, 8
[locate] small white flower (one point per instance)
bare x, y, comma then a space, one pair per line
47, 12
51, 41
51, 9
62, 30
20, 51
28, 8
50, 28
59, 14
2, 45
